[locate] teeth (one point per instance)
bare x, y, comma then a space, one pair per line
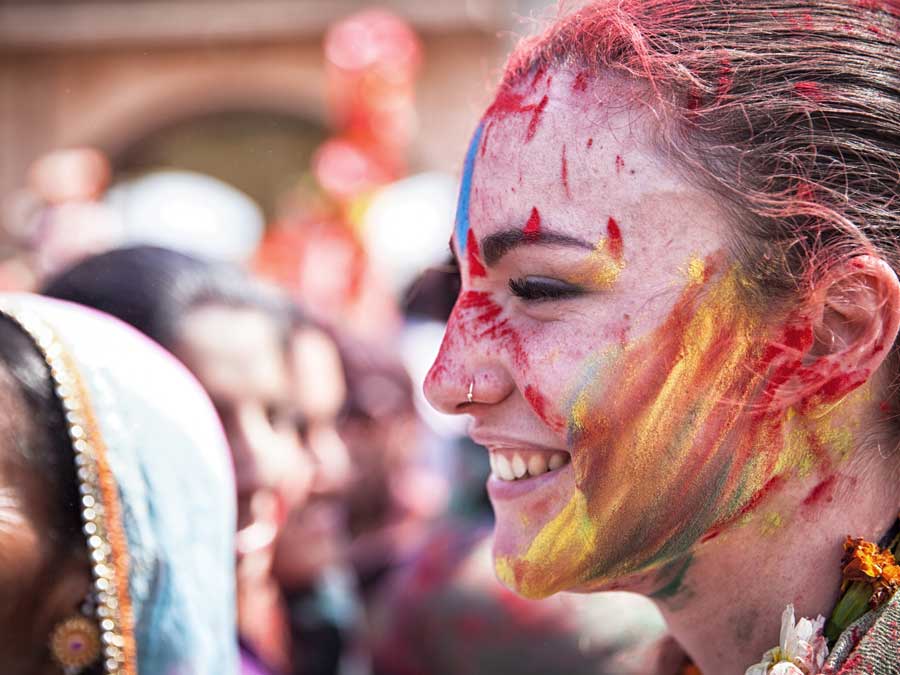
537, 465
503, 469
556, 461
518, 466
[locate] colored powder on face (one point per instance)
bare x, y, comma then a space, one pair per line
620, 164
581, 81
478, 318
821, 492
606, 262
565, 172
538, 74
771, 523
590, 142
675, 438
509, 102
465, 192
696, 270
532, 229
615, 239
536, 118
673, 586
539, 404
476, 268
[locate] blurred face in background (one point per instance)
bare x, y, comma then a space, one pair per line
238, 355
314, 536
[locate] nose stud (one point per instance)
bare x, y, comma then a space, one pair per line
470, 396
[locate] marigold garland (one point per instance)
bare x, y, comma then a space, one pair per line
871, 576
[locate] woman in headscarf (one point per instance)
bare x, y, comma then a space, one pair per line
239, 338
117, 507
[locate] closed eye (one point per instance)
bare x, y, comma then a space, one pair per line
543, 289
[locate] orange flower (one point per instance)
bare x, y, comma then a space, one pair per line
866, 562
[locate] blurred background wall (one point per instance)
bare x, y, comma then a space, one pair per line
229, 88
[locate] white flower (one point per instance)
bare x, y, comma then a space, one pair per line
801, 651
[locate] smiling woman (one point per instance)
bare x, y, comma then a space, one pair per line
677, 241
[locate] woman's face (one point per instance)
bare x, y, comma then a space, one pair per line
238, 356
610, 353
39, 585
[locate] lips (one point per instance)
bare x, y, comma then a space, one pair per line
520, 468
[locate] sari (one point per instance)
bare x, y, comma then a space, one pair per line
157, 491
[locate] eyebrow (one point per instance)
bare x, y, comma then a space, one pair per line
497, 245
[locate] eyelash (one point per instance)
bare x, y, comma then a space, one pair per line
542, 289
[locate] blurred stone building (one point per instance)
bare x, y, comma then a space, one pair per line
231, 88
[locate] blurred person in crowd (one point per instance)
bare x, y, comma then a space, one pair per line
395, 494
445, 613
312, 563
60, 218
232, 334
116, 502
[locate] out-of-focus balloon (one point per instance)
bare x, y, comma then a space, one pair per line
344, 171
405, 227
371, 60
75, 174
189, 212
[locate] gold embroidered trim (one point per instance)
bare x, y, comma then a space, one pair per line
100, 508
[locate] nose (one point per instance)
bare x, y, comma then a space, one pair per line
467, 372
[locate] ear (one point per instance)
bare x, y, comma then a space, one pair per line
66, 593
851, 321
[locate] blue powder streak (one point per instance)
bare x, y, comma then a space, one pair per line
465, 189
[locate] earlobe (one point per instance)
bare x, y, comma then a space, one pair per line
854, 315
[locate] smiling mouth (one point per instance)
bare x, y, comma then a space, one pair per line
519, 465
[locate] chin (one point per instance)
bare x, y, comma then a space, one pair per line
535, 563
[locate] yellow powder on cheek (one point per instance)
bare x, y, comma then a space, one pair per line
662, 448
674, 436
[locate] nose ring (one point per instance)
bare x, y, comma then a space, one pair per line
470, 396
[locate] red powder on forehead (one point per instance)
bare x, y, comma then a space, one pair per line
538, 74
532, 229
615, 239
810, 91
620, 163
509, 102
476, 268
581, 81
536, 118
565, 172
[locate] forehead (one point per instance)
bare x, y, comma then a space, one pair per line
581, 150
234, 352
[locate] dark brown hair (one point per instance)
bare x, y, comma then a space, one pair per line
788, 110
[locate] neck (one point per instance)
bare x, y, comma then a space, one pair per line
727, 610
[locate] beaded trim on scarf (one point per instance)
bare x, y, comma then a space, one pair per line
100, 508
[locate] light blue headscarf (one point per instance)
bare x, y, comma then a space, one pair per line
157, 491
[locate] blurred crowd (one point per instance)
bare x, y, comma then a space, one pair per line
362, 534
